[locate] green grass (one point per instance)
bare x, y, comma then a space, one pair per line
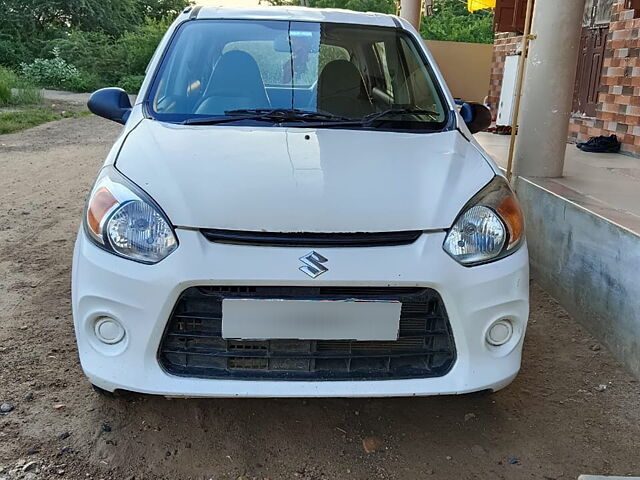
15, 90
25, 95
15, 121
23, 105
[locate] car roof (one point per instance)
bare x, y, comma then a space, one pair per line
300, 14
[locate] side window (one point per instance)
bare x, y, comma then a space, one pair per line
419, 84
381, 54
179, 82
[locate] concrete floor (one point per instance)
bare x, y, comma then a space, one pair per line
606, 184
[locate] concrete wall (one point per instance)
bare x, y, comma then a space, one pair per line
504, 44
589, 264
466, 67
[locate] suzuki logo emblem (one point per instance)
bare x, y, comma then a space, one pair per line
313, 264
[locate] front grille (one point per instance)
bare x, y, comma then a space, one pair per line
192, 344
311, 239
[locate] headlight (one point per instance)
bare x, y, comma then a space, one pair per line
122, 219
491, 226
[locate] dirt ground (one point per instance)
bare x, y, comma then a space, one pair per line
572, 409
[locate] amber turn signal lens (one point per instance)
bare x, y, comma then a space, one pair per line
510, 211
100, 203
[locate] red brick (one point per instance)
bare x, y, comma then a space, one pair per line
593, 132
618, 44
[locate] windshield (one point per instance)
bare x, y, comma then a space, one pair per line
219, 69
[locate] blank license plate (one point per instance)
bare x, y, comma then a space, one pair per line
263, 319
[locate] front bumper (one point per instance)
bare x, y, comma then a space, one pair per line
142, 297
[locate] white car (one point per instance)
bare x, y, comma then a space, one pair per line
297, 207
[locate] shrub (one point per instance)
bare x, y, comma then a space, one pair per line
51, 72
130, 83
84, 82
5, 93
90, 52
134, 49
12, 52
110, 61
15, 90
7, 79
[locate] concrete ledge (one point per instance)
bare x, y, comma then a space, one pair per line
590, 264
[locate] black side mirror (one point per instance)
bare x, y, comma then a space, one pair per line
111, 103
476, 116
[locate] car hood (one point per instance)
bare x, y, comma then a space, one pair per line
279, 179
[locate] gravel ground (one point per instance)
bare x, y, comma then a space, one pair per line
572, 409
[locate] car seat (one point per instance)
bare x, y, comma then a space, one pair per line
341, 90
236, 83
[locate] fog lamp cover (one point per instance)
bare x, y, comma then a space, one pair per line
500, 333
109, 330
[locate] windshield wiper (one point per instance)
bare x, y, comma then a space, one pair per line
288, 114
219, 119
367, 120
277, 115
315, 119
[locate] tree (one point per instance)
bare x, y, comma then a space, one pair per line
161, 9
114, 17
384, 6
27, 26
35, 17
453, 22
450, 20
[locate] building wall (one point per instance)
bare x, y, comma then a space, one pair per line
505, 44
465, 66
618, 109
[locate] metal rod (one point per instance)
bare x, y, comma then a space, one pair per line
521, 65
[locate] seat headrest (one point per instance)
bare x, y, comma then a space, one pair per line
340, 78
236, 74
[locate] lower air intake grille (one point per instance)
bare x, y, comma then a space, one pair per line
192, 344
